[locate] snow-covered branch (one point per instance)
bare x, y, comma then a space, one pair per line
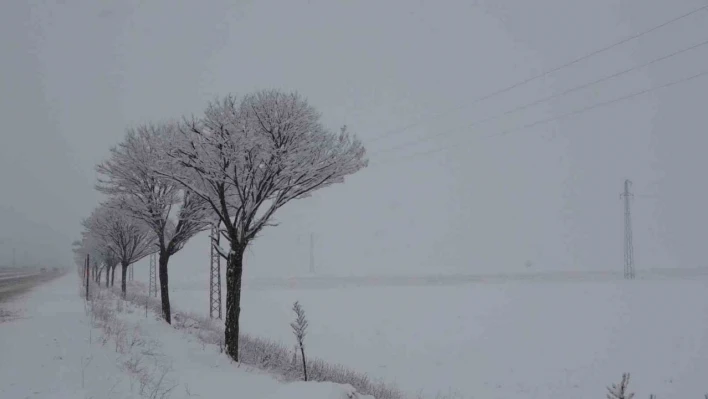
125, 238
172, 212
248, 158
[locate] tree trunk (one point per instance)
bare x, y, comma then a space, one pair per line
88, 272
234, 271
124, 274
108, 275
98, 277
164, 258
304, 362
113, 274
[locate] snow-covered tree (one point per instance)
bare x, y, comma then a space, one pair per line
111, 264
247, 159
125, 237
81, 248
106, 261
99, 253
173, 213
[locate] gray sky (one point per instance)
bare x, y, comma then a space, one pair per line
76, 73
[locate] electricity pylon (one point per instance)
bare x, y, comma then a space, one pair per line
152, 282
215, 275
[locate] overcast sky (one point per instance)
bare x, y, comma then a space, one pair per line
75, 73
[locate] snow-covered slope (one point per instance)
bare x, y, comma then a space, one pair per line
52, 352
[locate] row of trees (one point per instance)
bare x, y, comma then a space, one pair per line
232, 167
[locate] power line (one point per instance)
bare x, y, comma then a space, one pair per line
543, 74
545, 99
558, 117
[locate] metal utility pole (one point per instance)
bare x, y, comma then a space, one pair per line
152, 283
628, 244
312, 253
215, 275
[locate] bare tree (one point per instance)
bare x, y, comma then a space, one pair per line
98, 251
88, 245
246, 160
128, 239
299, 327
81, 248
173, 213
99, 270
110, 262
619, 391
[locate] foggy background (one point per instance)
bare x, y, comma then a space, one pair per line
75, 73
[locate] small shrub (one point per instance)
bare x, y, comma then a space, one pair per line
620, 391
299, 327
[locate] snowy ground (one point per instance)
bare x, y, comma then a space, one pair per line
494, 340
52, 351
46, 352
500, 340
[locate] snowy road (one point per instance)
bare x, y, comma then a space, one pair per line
12, 284
50, 351
41, 352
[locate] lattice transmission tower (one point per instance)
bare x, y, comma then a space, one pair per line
215, 275
628, 244
152, 281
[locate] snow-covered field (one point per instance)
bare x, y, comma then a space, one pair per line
529, 339
499, 340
